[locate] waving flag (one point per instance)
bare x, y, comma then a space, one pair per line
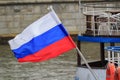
44, 39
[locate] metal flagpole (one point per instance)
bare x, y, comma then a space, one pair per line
51, 8
93, 73
79, 52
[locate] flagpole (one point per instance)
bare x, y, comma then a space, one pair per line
51, 8
79, 52
90, 69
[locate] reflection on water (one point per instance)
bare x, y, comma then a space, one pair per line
60, 68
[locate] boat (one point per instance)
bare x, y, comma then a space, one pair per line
102, 25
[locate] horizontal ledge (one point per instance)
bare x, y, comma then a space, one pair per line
35, 3
51, 2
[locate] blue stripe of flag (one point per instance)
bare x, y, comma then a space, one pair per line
38, 43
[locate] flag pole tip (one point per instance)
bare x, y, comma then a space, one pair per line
50, 7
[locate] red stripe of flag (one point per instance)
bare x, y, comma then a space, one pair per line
50, 51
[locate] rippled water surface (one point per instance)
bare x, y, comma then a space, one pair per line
60, 68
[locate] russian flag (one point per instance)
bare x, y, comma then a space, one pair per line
44, 39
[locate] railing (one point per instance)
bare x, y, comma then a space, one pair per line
105, 19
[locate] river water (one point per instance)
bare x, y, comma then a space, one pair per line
60, 68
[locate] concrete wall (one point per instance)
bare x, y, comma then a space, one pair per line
14, 17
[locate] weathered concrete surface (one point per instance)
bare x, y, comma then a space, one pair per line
14, 18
